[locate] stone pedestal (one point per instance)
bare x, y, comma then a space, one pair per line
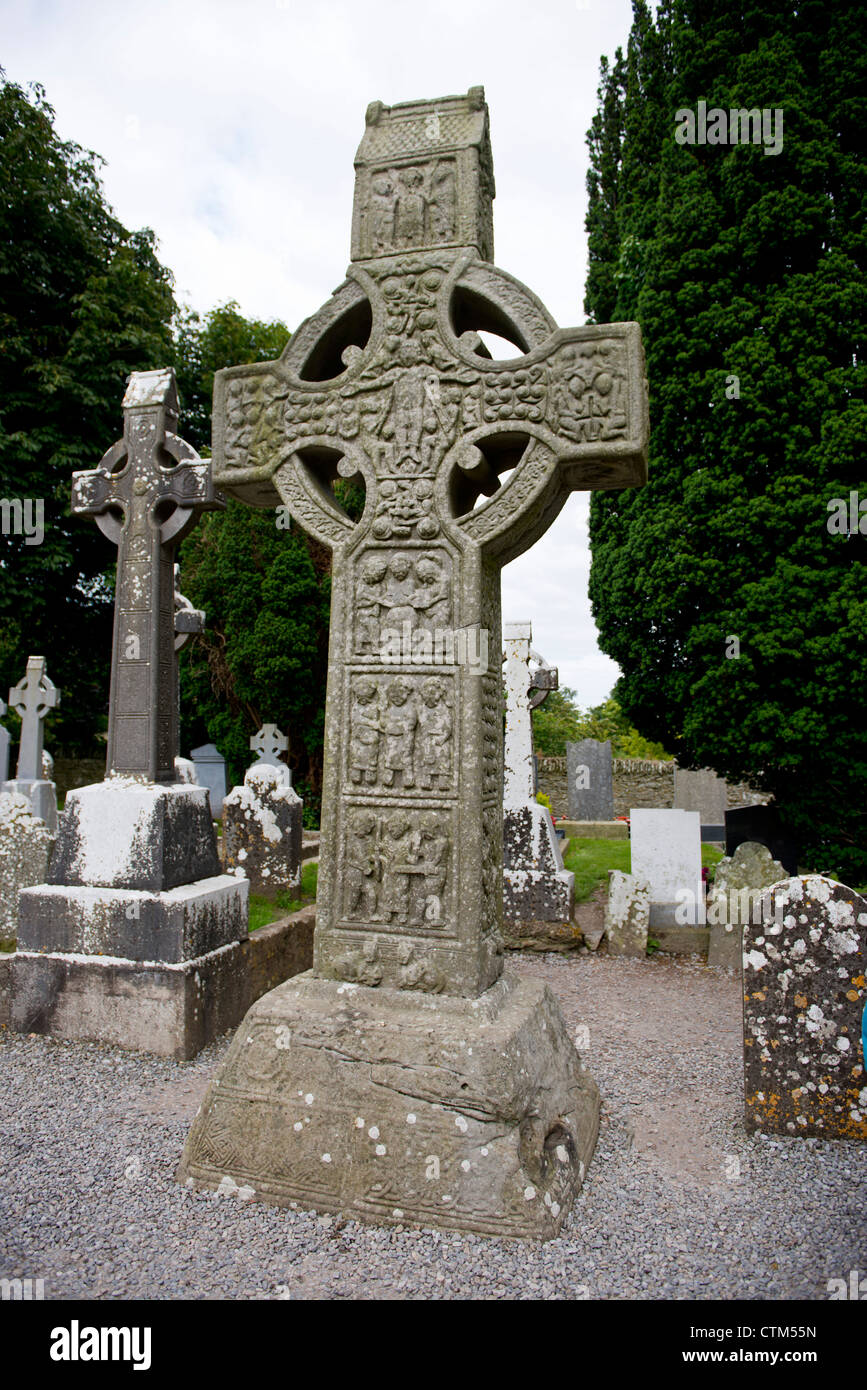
394, 1107
538, 893
137, 938
262, 829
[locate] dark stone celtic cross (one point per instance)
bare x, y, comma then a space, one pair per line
389, 384
145, 495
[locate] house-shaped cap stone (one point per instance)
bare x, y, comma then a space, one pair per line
424, 178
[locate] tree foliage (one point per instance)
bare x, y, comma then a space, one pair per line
738, 620
83, 302
559, 720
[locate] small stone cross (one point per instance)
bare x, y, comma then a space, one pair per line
464, 462
145, 495
4, 747
269, 743
32, 698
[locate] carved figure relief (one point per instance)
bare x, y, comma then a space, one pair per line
401, 732
414, 206
397, 868
401, 599
588, 391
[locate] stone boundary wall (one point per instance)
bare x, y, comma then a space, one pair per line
638, 782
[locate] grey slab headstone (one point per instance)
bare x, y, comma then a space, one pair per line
804, 967
136, 937
701, 791
389, 383
666, 854
210, 768
590, 780
159, 504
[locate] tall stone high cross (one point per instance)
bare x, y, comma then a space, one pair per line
145, 495
390, 386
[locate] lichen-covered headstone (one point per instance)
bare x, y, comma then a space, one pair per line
25, 847
804, 996
262, 829
736, 896
408, 1077
627, 915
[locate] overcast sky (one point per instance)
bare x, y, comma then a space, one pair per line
230, 129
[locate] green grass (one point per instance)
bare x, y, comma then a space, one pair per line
590, 861
264, 910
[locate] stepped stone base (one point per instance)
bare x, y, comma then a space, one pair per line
169, 1010
402, 1107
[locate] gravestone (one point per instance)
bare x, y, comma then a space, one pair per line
262, 829
666, 855
269, 743
762, 825
804, 995
210, 768
736, 896
538, 893
32, 698
4, 747
704, 792
25, 845
590, 780
137, 938
627, 914
458, 1098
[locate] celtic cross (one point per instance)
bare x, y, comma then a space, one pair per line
465, 461
146, 493
32, 698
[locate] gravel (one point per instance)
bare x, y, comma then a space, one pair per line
679, 1201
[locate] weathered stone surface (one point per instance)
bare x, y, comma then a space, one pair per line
4, 747
627, 914
127, 834
666, 854
210, 768
179, 924
262, 829
475, 1114
804, 996
591, 788
736, 895
390, 383
134, 482
701, 791
146, 1006
185, 771
25, 846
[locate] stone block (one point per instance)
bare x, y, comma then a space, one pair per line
590, 780
666, 854
165, 1009
725, 946
281, 950
804, 996
627, 915
177, 925
262, 830
474, 1114
126, 834
41, 796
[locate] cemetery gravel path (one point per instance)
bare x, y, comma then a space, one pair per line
680, 1202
